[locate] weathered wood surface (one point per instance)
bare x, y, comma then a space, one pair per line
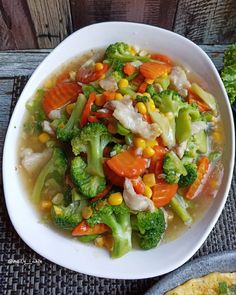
207, 22
159, 12
52, 21
45, 23
16, 63
16, 27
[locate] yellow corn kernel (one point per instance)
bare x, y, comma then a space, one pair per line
99, 242
139, 142
118, 96
149, 81
115, 199
102, 77
100, 100
123, 83
46, 205
43, 137
149, 179
151, 143
151, 105
101, 204
148, 152
141, 108
132, 50
147, 191
49, 83
98, 66
70, 108
87, 212
217, 136
146, 94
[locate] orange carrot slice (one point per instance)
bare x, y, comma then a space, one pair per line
153, 70
60, 95
83, 229
203, 165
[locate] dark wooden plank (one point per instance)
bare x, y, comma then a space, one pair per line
207, 22
155, 12
52, 21
17, 63
16, 29
6, 86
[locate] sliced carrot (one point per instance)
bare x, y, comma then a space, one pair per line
193, 98
161, 57
84, 229
87, 109
127, 164
153, 70
129, 69
147, 118
63, 77
138, 185
113, 177
157, 160
60, 95
87, 75
109, 95
203, 165
138, 80
142, 87
102, 194
92, 119
112, 128
163, 192
101, 115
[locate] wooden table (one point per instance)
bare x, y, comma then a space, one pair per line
22, 63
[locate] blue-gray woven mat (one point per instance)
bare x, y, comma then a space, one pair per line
45, 277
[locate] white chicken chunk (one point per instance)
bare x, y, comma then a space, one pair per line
126, 114
134, 201
47, 127
33, 161
179, 81
108, 84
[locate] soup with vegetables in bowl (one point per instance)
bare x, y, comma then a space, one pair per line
122, 144
122, 153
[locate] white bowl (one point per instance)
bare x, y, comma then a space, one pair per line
88, 259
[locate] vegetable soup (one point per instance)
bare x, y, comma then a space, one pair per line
122, 144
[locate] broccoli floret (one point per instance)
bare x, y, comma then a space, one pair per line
118, 219
70, 129
117, 76
89, 185
120, 51
67, 217
191, 169
151, 90
150, 228
117, 65
117, 148
173, 168
169, 101
92, 140
87, 89
192, 148
56, 168
142, 98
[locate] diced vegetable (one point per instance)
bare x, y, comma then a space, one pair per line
153, 70
179, 206
163, 192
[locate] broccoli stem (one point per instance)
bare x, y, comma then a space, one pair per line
76, 114
94, 158
121, 233
179, 206
38, 187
